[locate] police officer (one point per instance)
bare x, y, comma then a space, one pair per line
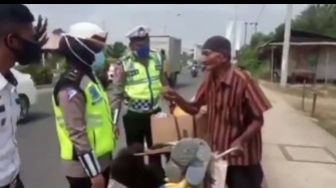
83, 116
19, 42
139, 80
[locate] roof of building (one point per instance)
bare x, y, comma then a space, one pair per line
52, 43
168, 36
302, 38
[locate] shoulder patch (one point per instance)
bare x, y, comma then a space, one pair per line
95, 94
71, 93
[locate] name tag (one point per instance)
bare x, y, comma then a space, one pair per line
133, 72
158, 67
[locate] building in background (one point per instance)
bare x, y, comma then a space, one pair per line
312, 57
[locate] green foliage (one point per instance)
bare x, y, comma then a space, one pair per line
260, 38
248, 59
40, 74
319, 19
116, 50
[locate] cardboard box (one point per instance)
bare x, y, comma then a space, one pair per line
173, 128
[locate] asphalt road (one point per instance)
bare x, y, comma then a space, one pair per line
38, 142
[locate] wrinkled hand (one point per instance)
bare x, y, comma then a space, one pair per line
237, 144
98, 181
117, 132
171, 95
41, 31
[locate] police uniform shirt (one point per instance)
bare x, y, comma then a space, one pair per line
72, 103
119, 76
9, 115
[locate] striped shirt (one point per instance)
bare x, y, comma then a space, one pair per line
234, 100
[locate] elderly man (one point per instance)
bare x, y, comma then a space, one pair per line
235, 105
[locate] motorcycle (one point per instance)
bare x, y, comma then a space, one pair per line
194, 71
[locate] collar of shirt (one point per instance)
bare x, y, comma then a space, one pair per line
3, 82
7, 81
224, 76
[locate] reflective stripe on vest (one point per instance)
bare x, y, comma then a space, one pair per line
143, 86
98, 121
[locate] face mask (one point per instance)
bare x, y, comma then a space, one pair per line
31, 52
99, 64
143, 53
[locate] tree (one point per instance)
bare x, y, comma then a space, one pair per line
117, 50
260, 38
58, 31
319, 19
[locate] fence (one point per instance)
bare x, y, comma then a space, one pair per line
309, 90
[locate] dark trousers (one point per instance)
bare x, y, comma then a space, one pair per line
245, 176
86, 182
17, 183
137, 128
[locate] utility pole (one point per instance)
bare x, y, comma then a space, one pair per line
245, 33
286, 46
255, 26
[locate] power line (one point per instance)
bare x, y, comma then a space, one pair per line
260, 12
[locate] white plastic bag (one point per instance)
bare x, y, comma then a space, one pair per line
218, 168
218, 173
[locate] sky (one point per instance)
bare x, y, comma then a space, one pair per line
193, 23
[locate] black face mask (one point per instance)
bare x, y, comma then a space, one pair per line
30, 53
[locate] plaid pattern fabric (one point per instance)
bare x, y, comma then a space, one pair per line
142, 105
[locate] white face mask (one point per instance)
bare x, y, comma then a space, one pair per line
74, 53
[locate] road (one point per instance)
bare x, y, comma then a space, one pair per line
38, 142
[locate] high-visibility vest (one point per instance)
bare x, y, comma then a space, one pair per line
143, 85
100, 128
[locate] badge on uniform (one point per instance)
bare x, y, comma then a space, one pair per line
95, 94
71, 93
158, 67
133, 72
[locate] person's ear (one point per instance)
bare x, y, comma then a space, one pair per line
225, 57
11, 41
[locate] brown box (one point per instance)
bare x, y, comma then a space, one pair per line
173, 128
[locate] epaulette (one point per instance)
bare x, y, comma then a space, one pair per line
73, 75
125, 58
11, 78
71, 78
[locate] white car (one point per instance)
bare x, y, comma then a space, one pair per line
26, 90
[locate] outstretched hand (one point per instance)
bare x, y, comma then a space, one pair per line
170, 94
41, 31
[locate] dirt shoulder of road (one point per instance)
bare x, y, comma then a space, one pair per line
325, 109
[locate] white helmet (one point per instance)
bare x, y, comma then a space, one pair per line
86, 30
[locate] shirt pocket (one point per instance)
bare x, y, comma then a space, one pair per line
5, 126
15, 108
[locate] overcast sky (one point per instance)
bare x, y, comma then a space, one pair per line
190, 22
